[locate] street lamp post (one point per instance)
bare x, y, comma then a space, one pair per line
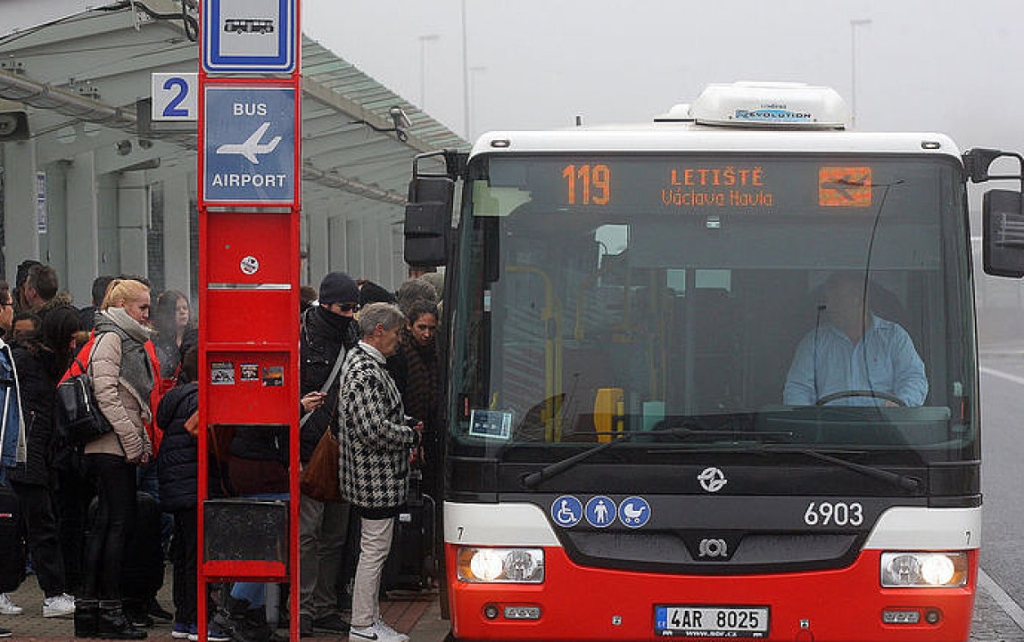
433, 37
857, 22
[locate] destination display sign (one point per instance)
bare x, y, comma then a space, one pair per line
679, 184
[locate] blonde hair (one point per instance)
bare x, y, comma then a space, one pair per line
121, 291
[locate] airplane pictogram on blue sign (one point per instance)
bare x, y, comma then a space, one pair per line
249, 145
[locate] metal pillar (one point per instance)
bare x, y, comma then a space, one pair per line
83, 254
133, 222
20, 230
319, 243
177, 241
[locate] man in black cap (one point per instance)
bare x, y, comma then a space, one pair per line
328, 331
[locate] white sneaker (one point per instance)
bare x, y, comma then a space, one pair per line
388, 634
363, 633
59, 605
7, 607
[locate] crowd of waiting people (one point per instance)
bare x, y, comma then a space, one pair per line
98, 520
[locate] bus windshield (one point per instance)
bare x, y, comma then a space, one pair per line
697, 301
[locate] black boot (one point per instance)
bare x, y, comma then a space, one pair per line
113, 625
136, 612
87, 613
250, 625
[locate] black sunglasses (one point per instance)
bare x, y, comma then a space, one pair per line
348, 307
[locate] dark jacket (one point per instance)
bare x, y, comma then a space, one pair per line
177, 463
38, 401
324, 336
415, 369
87, 317
170, 353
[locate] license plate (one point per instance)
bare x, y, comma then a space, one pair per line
711, 621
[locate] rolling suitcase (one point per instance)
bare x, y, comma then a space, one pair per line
410, 564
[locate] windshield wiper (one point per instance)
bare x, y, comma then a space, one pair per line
533, 480
903, 482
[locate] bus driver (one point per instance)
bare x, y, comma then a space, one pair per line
855, 357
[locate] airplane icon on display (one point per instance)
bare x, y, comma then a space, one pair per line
251, 147
847, 186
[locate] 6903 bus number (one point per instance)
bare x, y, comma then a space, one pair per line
834, 514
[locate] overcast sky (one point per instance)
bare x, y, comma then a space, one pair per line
928, 65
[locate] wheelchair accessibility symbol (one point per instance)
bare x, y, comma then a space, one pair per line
567, 511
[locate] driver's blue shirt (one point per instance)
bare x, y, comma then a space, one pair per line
884, 360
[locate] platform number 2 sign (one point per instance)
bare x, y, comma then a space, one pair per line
175, 96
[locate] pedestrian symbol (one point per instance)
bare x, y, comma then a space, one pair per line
567, 511
600, 512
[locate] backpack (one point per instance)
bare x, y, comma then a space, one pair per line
159, 385
79, 418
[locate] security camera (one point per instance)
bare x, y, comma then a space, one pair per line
399, 117
400, 121
13, 121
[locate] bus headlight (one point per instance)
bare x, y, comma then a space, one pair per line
924, 570
507, 565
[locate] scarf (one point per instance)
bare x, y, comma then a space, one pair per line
136, 370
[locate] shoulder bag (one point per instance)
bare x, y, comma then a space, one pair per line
78, 416
320, 478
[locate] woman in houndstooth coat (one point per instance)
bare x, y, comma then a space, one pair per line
375, 445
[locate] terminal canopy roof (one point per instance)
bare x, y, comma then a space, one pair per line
82, 78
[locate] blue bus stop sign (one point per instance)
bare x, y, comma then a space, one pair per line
249, 145
243, 36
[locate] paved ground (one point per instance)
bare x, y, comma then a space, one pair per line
417, 614
991, 622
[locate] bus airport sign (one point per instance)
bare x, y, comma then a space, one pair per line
249, 36
249, 151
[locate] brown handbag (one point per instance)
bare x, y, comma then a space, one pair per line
319, 478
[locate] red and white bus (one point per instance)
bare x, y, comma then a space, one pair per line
622, 310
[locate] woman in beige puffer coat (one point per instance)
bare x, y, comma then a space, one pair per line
122, 379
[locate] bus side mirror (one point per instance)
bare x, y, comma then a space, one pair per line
428, 220
1003, 233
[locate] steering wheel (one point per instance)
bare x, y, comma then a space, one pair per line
844, 394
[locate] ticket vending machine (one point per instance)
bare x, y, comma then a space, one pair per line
249, 205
